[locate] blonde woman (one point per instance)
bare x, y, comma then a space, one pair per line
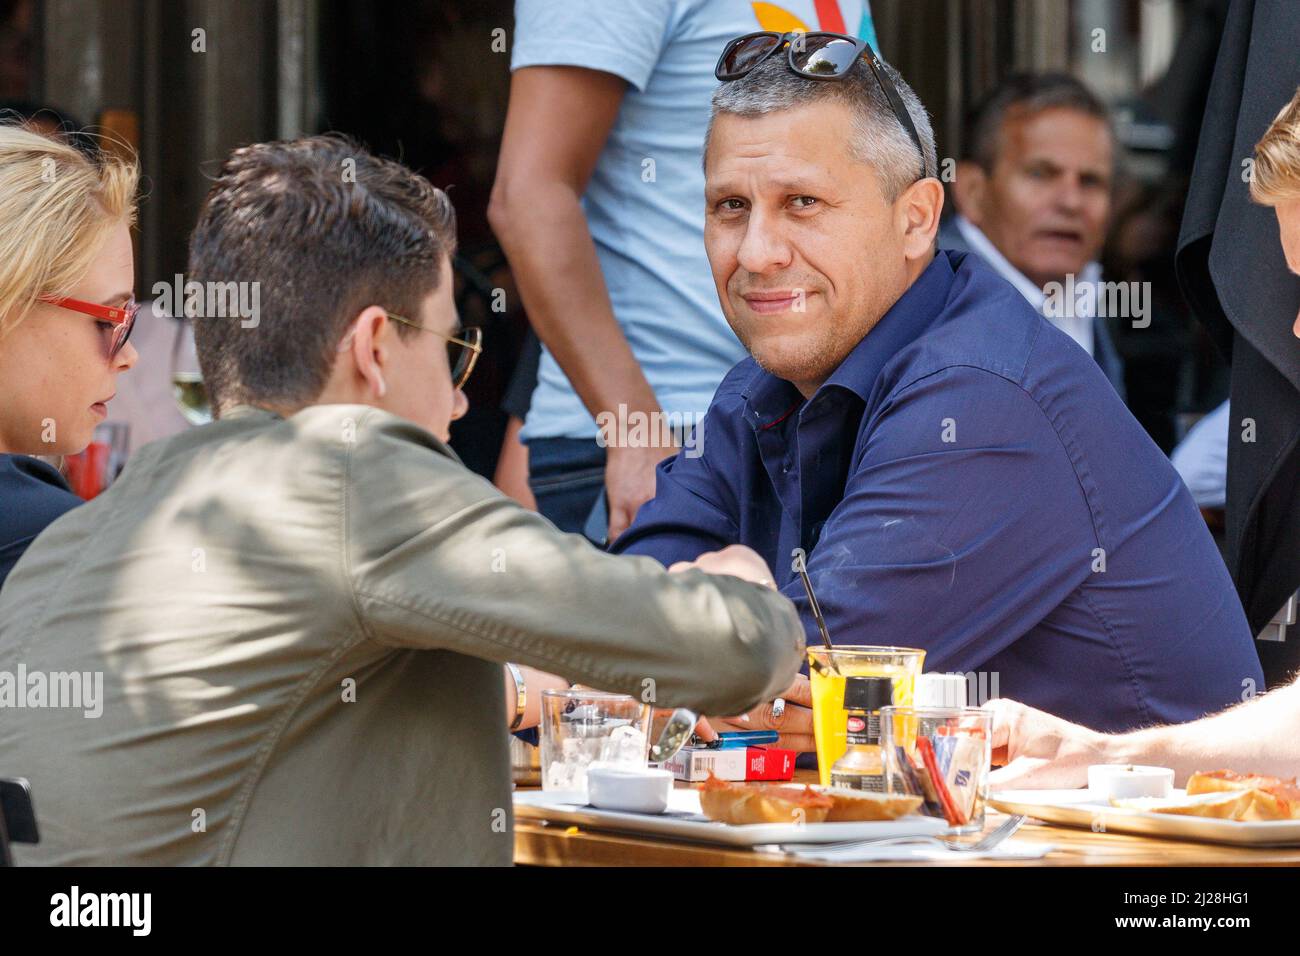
1257, 736
66, 311
1277, 181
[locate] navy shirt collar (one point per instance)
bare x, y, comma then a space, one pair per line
770, 400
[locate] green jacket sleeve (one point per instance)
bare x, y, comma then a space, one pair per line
437, 558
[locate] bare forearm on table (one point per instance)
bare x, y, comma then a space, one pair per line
1261, 736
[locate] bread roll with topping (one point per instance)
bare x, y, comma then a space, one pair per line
739, 804
862, 805
1219, 780
1281, 802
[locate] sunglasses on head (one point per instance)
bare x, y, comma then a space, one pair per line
817, 56
117, 321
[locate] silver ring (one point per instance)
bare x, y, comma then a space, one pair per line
778, 708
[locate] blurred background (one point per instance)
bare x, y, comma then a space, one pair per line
418, 80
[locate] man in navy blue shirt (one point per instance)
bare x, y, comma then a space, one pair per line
959, 473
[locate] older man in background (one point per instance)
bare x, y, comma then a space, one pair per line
1033, 198
1256, 736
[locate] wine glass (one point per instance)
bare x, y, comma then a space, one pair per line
188, 389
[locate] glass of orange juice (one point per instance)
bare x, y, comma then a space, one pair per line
826, 673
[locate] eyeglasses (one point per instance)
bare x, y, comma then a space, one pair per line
817, 56
462, 354
120, 319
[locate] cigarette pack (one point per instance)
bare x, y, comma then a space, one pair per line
694, 764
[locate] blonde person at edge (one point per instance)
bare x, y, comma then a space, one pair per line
1257, 736
65, 252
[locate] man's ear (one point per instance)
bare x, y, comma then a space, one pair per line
969, 189
920, 207
369, 349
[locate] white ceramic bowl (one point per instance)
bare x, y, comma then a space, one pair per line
1125, 781
628, 788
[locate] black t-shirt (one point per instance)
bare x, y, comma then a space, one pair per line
32, 494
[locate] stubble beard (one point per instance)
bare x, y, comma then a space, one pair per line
810, 360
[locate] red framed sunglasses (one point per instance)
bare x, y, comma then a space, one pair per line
120, 319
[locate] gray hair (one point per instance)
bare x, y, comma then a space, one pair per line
1026, 94
877, 137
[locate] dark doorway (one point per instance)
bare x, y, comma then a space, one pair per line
419, 81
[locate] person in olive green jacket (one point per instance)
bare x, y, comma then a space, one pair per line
279, 638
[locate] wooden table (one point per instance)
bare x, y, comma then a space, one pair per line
538, 843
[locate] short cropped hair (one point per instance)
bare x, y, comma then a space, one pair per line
877, 136
1024, 94
326, 229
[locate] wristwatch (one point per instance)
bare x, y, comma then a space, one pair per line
521, 694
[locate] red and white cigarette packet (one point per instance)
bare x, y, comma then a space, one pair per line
694, 764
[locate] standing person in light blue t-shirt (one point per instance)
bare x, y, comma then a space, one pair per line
599, 205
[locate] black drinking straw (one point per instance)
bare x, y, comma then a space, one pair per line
817, 613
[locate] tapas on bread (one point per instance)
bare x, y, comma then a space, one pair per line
1220, 806
1227, 795
739, 803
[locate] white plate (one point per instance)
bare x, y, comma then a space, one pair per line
684, 821
1079, 808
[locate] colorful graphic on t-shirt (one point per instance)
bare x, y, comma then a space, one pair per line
829, 18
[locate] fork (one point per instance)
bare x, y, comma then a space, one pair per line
994, 837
